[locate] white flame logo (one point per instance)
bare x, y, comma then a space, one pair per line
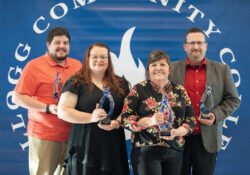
125, 65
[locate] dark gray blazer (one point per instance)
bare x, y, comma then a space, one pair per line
225, 97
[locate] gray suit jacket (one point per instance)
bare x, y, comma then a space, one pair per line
225, 97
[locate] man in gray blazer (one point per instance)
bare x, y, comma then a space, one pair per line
194, 73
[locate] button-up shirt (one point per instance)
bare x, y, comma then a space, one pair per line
195, 82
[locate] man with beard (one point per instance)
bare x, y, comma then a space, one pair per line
38, 90
195, 72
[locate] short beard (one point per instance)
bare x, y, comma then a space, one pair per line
197, 56
58, 59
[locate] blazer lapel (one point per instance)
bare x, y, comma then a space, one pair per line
181, 73
209, 72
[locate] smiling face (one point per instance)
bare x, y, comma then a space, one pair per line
98, 60
195, 47
159, 71
58, 48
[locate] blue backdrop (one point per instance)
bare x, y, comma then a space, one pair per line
132, 29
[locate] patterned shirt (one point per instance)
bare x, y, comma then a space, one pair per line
144, 100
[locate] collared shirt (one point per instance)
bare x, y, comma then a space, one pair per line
195, 82
38, 81
144, 100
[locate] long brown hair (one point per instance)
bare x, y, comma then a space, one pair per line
113, 81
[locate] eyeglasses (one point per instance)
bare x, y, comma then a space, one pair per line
57, 87
95, 57
199, 43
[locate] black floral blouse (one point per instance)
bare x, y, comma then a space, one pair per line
144, 100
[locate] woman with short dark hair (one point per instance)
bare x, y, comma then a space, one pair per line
145, 112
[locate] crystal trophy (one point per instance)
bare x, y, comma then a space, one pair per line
57, 86
206, 103
165, 108
107, 96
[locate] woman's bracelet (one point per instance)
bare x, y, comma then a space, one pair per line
119, 124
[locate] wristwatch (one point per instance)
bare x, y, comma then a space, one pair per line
47, 110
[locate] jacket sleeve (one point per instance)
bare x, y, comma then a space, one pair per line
230, 101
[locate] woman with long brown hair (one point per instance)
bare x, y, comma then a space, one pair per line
94, 148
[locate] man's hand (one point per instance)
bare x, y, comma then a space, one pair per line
207, 121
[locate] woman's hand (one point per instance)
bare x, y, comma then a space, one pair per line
53, 109
113, 125
157, 118
147, 122
181, 131
98, 114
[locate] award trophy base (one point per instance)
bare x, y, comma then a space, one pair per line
165, 133
105, 121
205, 116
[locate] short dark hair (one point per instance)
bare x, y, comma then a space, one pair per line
57, 31
157, 55
194, 30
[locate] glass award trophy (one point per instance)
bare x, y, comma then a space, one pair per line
206, 103
57, 86
107, 96
165, 108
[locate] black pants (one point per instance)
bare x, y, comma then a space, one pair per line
196, 158
93, 171
156, 160
89, 171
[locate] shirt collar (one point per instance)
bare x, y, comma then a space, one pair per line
155, 86
52, 63
204, 63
